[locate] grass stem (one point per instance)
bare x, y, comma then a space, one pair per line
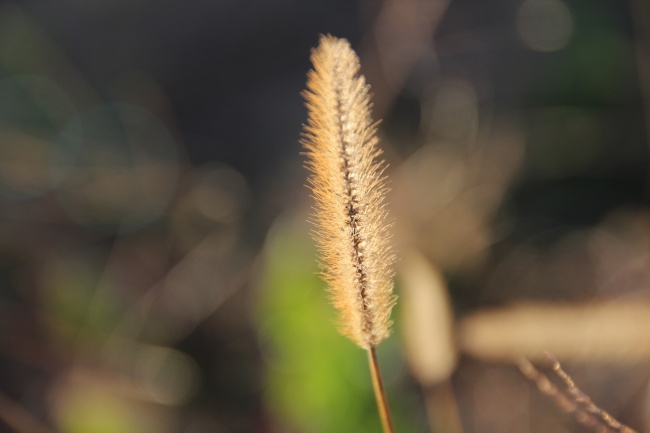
380, 395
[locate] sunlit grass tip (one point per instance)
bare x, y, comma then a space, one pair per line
348, 184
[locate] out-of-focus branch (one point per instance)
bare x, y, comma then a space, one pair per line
402, 33
18, 418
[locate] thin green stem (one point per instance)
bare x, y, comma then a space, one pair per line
380, 394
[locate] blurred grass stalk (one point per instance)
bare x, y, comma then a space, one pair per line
347, 183
611, 332
427, 332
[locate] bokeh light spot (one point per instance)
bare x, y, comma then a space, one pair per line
33, 112
126, 170
220, 193
452, 112
166, 375
544, 25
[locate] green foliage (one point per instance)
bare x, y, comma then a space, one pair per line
88, 411
83, 306
317, 380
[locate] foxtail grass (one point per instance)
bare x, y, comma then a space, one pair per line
348, 185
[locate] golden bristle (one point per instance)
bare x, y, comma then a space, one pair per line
348, 185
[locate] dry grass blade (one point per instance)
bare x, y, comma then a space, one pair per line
583, 400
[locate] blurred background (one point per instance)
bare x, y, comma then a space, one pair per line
156, 270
